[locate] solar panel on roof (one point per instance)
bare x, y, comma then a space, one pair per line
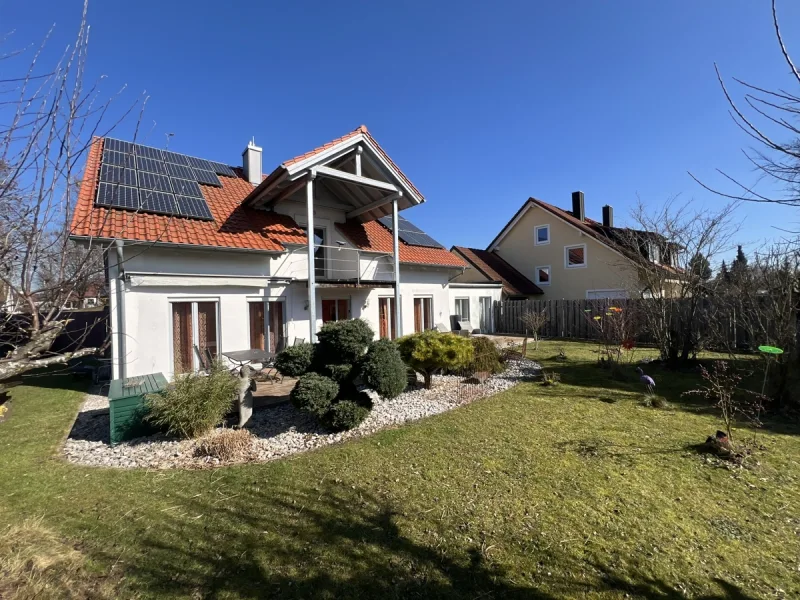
119, 159
154, 181
179, 171
194, 208
182, 187
200, 163
221, 169
174, 157
159, 202
117, 196
111, 174
150, 165
148, 152
117, 145
207, 177
410, 233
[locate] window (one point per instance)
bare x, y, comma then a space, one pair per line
423, 314
654, 252
575, 256
485, 304
335, 310
319, 251
541, 235
90, 302
543, 275
266, 325
194, 326
462, 309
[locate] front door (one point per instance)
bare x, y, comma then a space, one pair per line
386, 324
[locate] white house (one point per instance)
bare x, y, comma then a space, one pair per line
205, 257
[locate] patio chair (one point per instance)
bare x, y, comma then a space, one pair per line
203, 358
298, 341
465, 328
442, 328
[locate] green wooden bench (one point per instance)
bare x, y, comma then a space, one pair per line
126, 404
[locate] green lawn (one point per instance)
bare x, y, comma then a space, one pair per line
567, 491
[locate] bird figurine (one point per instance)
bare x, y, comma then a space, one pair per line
646, 379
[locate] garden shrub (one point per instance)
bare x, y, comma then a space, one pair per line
430, 351
294, 361
344, 341
383, 370
486, 357
194, 403
346, 414
340, 373
314, 394
226, 445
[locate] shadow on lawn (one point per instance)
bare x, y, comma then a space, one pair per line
340, 542
669, 383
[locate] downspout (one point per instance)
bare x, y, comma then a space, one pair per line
120, 308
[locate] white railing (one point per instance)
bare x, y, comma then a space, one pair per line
337, 263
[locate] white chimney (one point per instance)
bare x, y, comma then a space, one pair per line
251, 162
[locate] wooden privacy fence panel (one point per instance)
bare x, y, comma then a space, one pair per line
571, 318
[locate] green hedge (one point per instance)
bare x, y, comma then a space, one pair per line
314, 394
383, 370
294, 361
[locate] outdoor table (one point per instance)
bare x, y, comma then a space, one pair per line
245, 357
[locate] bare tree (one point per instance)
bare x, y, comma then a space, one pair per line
663, 244
770, 119
53, 117
533, 321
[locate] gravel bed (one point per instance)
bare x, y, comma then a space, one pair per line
278, 431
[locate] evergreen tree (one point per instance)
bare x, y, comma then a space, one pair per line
700, 267
739, 265
724, 273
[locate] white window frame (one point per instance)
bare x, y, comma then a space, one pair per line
195, 327
265, 302
549, 275
469, 312
491, 312
336, 301
566, 256
536, 229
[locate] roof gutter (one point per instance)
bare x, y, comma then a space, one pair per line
80, 238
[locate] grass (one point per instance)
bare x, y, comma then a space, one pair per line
574, 490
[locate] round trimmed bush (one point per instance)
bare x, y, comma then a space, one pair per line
314, 394
339, 373
344, 341
383, 369
346, 414
430, 352
486, 356
294, 361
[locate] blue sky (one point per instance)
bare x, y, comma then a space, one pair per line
481, 104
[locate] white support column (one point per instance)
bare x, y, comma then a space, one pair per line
312, 296
359, 150
398, 309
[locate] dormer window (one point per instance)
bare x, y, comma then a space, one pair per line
541, 235
654, 252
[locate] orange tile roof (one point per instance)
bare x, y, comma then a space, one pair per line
235, 226
374, 236
497, 269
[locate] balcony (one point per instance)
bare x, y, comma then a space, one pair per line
340, 266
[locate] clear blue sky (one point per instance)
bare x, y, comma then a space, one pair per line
482, 104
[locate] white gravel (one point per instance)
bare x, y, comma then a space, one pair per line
278, 431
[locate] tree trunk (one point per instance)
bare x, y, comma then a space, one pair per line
427, 376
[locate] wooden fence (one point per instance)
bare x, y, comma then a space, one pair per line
573, 318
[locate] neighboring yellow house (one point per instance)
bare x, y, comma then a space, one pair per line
570, 256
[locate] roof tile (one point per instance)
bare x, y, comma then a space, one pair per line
497, 269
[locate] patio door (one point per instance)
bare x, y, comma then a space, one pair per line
335, 310
266, 326
485, 303
423, 314
387, 328
195, 330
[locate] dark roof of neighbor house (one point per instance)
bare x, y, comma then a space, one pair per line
492, 266
234, 225
617, 238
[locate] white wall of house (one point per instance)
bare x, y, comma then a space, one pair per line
475, 296
160, 276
